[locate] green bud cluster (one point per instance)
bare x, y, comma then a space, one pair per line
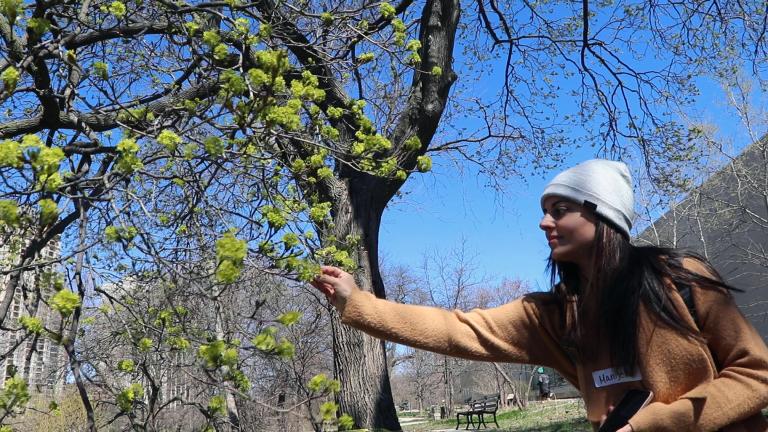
129, 396
230, 254
126, 365
320, 383
169, 140
11, 154
217, 406
217, 354
387, 10
117, 8
9, 213
65, 302
128, 160
113, 234
10, 77
31, 324
266, 342
101, 69
14, 394
39, 26
45, 162
333, 255
49, 212
398, 32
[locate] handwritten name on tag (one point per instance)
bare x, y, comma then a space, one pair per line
611, 376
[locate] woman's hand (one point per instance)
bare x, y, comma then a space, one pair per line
336, 284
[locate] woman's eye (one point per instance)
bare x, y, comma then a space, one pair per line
559, 212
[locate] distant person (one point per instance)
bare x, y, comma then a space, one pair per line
543, 383
614, 319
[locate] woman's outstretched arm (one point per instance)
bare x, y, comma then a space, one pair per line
526, 330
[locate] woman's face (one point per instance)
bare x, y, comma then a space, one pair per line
570, 230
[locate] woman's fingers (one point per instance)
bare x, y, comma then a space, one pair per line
331, 271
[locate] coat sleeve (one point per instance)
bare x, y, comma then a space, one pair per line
739, 390
526, 330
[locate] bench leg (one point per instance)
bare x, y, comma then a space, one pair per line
481, 420
457, 421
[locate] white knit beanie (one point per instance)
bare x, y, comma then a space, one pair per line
604, 186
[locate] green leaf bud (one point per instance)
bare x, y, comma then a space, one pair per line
39, 26
324, 173
298, 165
220, 52
412, 144
290, 240
335, 113
217, 406
328, 410
49, 212
214, 146
11, 9
387, 10
11, 154
346, 422
424, 163
169, 140
413, 45
144, 344
117, 8
9, 213
129, 396
437, 71
398, 25
275, 218
318, 383
326, 18
101, 69
289, 318
365, 58
126, 365
264, 341
31, 324
211, 38
319, 212
65, 302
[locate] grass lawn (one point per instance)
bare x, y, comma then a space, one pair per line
552, 416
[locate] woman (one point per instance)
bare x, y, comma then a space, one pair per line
614, 321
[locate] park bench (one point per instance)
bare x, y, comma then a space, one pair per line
479, 408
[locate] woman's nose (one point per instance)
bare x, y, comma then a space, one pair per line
546, 222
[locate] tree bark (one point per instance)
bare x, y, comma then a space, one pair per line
360, 361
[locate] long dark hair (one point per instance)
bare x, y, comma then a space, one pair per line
623, 276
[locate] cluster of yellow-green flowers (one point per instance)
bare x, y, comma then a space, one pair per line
10, 78
44, 160
130, 396
31, 324
230, 253
220, 354
320, 383
14, 394
114, 234
65, 302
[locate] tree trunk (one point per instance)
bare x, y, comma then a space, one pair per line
360, 361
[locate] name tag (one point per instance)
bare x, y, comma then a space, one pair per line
611, 376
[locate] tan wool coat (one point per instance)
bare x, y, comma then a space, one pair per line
718, 383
